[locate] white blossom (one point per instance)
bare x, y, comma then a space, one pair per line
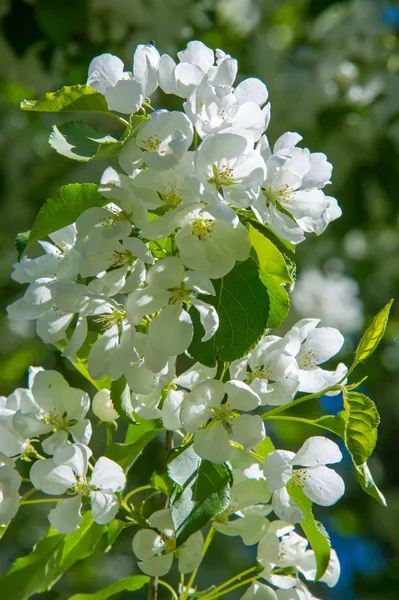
10, 482
67, 472
319, 483
156, 547
292, 201
160, 143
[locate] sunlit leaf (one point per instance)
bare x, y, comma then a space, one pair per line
373, 334
314, 531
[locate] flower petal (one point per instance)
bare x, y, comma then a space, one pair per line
316, 451
104, 506
66, 516
212, 444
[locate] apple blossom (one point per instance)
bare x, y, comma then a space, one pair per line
319, 483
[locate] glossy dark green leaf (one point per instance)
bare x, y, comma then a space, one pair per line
242, 304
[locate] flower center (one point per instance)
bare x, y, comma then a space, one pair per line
260, 372
114, 217
108, 321
278, 196
308, 360
223, 176
202, 228
82, 486
223, 413
171, 195
124, 257
180, 297
53, 419
152, 143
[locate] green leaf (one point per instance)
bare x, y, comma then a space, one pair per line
362, 420
282, 245
367, 483
76, 98
274, 273
271, 260
64, 208
137, 438
314, 531
278, 298
373, 334
120, 396
129, 584
264, 448
50, 558
79, 141
162, 483
21, 242
203, 491
242, 304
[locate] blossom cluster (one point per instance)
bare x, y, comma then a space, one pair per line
137, 272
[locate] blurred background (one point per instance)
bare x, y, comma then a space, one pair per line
332, 70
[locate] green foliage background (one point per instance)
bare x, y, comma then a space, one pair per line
332, 72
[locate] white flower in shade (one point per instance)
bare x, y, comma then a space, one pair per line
213, 109
170, 288
249, 496
298, 592
285, 549
259, 591
12, 442
103, 408
114, 351
270, 371
156, 547
123, 90
56, 407
67, 472
312, 346
10, 482
211, 240
319, 483
53, 304
204, 403
60, 261
141, 379
160, 143
105, 244
291, 201
197, 63
230, 168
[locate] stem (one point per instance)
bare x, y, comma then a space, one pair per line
28, 495
332, 388
235, 578
168, 448
120, 119
204, 550
168, 587
136, 491
43, 500
153, 588
301, 420
109, 434
231, 589
154, 581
